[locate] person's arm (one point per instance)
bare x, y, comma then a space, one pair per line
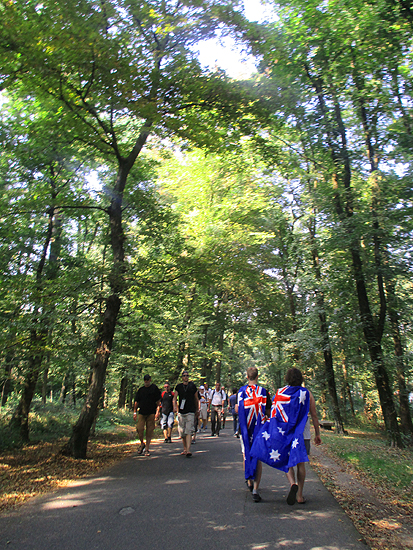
314, 418
175, 402
158, 409
135, 408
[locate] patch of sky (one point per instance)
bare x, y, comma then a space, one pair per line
224, 53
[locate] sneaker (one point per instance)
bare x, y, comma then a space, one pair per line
256, 497
169, 440
166, 440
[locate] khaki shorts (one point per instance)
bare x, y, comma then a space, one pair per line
147, 420
186, 424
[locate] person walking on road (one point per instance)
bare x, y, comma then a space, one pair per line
253, 406
188, 408
216, 406
167, 410
147, 400
280, 442
203, 409
294, 377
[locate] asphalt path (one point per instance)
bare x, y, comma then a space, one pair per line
170, 502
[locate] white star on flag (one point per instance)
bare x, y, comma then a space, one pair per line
303, 397
274, 455
266, 436
282, 432
294, 443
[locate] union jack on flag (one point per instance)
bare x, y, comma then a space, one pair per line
254, 404
251, 411
280, 442
281, 398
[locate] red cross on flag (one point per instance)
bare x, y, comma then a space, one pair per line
253, 403
280, 399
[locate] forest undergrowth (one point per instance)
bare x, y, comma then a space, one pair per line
372, 482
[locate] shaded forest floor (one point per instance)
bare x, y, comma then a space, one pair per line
380, 508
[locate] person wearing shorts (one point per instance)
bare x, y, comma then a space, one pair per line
167, 411
187, 394
147, 400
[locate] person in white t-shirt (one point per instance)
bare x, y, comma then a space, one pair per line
216, 405
203, 408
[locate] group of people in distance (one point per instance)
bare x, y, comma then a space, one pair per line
275, 431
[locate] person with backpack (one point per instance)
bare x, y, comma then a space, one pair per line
216, 405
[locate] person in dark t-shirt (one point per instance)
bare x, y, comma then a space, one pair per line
147, 400
187, 393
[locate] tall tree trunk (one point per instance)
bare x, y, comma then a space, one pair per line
77, 444
325, 338
347, 388
405, 415
7, 383
40, 321
372, 331
122, 392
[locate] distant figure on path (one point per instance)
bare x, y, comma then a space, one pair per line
280, 442
232, 403
203, 409
216, 405
253, 406
167, 409
147, 400
188, 407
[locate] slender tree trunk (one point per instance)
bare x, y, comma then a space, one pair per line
372, 331
77, 444
7, 384
405, 415
40, 322
325, 338
122, 392
347, 388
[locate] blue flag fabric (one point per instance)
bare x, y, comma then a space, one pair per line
280, 442
251, 411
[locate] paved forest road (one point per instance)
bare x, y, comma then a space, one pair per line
170, 502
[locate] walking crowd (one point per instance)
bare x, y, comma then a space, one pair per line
275, 431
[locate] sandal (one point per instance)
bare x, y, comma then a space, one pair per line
184, 453
291, 499
141, 448
147, 453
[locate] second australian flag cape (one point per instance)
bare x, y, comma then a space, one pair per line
280, 441
251, 412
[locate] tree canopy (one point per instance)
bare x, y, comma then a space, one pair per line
158, 216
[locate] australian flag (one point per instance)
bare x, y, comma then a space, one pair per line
280, 442
251, 411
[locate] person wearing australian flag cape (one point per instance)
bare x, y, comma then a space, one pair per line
280, 442
253, 404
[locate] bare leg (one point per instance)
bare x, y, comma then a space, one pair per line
186, 440
258, 473
291, 476
300, 481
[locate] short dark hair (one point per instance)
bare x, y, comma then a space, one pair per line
147, 377
294, 377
